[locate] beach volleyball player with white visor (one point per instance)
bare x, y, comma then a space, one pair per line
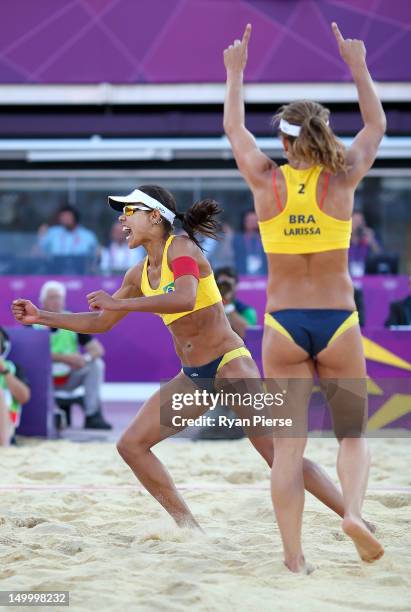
304, 209
176, 282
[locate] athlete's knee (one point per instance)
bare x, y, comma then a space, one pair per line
348, 403
289, 449
353, 444
264, 446
130, 447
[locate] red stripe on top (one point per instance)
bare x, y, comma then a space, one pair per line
277, 197
325, 189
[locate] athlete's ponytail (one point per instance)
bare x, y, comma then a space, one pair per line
200, 218
316, 142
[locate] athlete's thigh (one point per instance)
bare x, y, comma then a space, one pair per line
242, 390
162, 414
245, 377
343, 358
342, 372
288, 370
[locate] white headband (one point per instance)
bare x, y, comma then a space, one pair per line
291, 129
139, 197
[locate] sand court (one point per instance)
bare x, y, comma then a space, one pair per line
73, 518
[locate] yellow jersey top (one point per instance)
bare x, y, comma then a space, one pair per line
207, 290
302, 226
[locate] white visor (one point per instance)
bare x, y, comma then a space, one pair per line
139, 197
289, 128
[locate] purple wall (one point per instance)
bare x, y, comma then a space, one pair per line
37, 414
139, 348
168, 41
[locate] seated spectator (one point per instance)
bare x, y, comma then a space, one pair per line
248, 249
223, 252
117, 257
14, 392
360, 305
400, 311
240, 315
72, 367
68, 237
363, 244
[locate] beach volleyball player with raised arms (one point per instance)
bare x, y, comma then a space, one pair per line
176, 281
311, 324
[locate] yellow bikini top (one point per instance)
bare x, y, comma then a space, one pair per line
207, 290
302, 226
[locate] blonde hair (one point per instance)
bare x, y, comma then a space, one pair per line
316, 143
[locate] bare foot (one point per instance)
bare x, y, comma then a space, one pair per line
299, 566
190, 525
368, 546
187, 521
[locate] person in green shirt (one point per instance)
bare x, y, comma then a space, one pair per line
76, 359
14, 392
239, 314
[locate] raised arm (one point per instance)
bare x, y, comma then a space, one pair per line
182, 299
27, 313
363, 150
251, 161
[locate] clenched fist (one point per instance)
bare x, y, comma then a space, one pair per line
101, 300
25, 312
235, 56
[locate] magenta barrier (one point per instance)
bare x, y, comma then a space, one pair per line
378, 292
140, 348
389, 392
31, 351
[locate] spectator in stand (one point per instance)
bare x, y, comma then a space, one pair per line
400, 311
223, 252
71, 366
248, 249
360, 305
239, 315
68, 237
363, 244
14, 392
117, 257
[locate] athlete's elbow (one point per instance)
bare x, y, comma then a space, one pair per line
231, 127
105, 328
100, 328
228, 127
379, 126
188, 303
383, 124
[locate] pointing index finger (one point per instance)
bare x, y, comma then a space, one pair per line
247, 34
339, 37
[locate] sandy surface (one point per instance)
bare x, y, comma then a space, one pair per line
115, 549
